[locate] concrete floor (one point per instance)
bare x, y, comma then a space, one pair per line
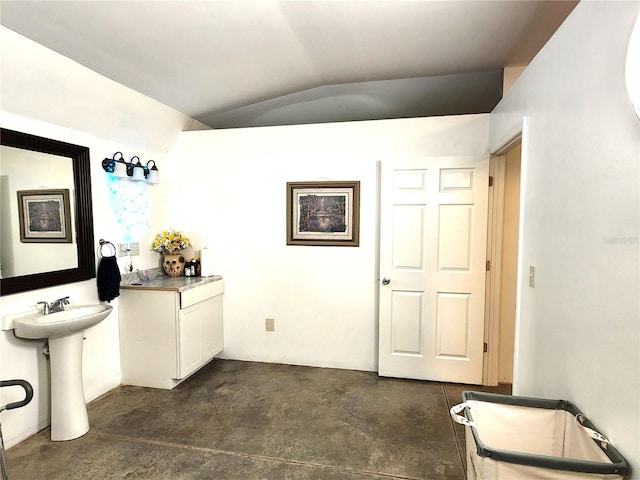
244, 420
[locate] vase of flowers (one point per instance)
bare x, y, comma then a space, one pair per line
170, 243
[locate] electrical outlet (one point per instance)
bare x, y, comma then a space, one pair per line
270, 324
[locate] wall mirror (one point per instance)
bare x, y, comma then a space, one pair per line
46, 216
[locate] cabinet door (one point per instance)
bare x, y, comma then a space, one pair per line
148, 342
190, 338
212, 343
200, 334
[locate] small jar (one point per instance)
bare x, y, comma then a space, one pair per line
187, 269
196, 267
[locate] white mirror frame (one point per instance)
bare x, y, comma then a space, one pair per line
632, 68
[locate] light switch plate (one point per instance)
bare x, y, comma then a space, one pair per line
532, 276
123, 249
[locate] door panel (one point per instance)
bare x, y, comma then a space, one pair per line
454, 237
433, 250
408, 228
406, 317
452, 325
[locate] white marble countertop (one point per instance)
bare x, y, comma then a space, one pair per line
157, 280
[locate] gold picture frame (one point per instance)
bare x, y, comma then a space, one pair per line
323, 213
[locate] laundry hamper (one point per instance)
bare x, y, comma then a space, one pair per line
512, 438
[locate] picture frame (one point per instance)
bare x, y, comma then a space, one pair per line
44, 216
324, 213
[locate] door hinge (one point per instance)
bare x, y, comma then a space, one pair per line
485, 348
490, 181
488, 266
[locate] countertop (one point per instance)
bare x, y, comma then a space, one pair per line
159, 281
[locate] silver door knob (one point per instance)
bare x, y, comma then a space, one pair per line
386, 281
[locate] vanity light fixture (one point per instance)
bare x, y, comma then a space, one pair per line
153, 175
137, 170
115, 165
119, 168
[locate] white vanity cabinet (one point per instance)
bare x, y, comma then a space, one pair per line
168, 334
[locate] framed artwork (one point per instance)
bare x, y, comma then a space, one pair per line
323, 213
44, 216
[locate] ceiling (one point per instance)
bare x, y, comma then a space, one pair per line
242, 63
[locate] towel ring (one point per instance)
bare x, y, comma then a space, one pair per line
104, 243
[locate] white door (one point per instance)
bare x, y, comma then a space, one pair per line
433, 234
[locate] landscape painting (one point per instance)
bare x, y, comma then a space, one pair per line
323, 213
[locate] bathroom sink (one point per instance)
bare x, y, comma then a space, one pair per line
64, 333
75, 318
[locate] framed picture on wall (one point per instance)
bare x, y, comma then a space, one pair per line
44, 216
323, 213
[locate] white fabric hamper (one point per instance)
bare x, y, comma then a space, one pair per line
513, 438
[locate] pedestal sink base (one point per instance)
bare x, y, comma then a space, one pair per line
69, 417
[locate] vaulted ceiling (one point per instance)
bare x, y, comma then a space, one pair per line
240, 63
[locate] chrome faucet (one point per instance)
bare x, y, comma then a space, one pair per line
45, 308
55, 306
58, 305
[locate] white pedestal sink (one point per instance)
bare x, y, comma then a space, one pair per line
65, 331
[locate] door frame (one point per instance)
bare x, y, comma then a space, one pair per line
518, 135
495, 217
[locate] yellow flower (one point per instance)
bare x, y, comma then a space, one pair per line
170, 240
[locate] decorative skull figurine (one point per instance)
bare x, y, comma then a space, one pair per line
173, 263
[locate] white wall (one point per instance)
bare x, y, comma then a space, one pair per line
579, 328
228, 191
48, 95
510, 75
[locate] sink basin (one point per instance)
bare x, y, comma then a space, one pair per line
60, 324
